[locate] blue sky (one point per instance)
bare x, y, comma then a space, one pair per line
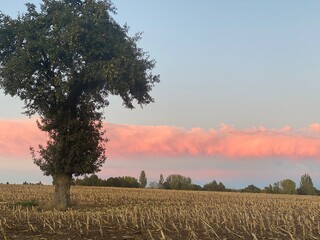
248, 64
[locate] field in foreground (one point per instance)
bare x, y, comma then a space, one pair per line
114, 213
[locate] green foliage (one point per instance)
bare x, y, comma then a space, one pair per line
31, 203
94, 180
268, 189
251, 189
214, 186
276, 187
128, 182
306, 186
178, 182
288, 186
195, 187
63, 62
143, 179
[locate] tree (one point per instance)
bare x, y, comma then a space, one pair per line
306, 186
178, 182
276, 187
288, 186
251, 189
93, 180
63, 62
195, 187
127, 181
221, 187
161, 181
214, 186
143, 179
268, 189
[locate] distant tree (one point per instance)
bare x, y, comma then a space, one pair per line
214, 186
161, 181
143, 179
306, 186
276, 188
221, 187
288, 186
63, 62
128, 182
131, 182
195, 187
115, 182
251, 189
92, 180
178, 182
268, 189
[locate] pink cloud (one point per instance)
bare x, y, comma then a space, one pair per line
132, 141
16, 136
315, 127
165, 141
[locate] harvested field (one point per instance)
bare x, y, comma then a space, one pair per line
115, 213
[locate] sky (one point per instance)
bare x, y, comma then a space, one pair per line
238, 99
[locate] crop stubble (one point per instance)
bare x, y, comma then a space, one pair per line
117, 213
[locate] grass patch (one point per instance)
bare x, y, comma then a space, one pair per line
30, 203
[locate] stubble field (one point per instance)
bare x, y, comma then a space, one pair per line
114, 213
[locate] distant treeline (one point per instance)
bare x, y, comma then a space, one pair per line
94, 180
174, 181
179, 182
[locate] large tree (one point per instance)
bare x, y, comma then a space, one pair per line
63, 61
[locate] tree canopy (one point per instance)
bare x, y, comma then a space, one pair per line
214, 186
251, 189
63, 62
288, 186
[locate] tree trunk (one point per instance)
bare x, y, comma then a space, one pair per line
61, 195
